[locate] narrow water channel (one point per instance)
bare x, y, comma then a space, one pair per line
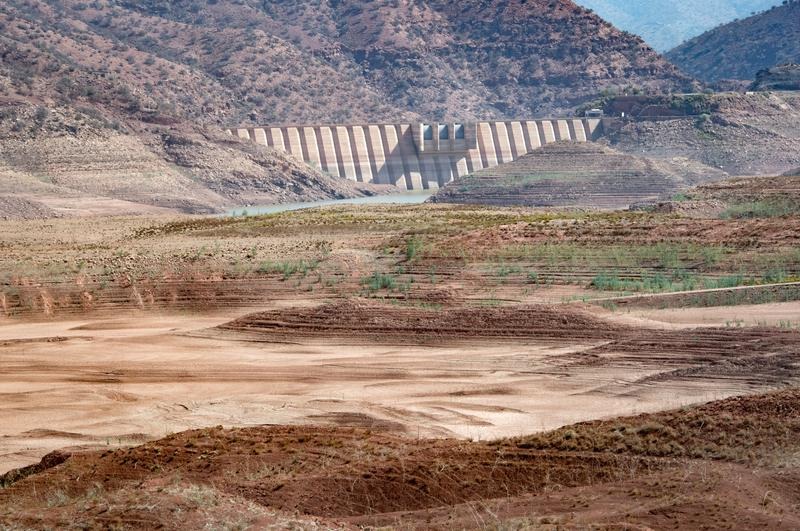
405, 198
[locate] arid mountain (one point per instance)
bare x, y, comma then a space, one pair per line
665, 25
72, 161
740, 49
289, 61
477, 58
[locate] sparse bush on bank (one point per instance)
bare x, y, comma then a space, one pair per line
682, 281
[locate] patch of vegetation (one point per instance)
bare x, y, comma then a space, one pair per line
505, 270
414, 247
694, 104
680, 197
661, 255
288, 268
378, 281
679, 281
768, 208
750, 295
651, 284
561, 176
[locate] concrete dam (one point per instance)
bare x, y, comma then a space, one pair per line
417, 156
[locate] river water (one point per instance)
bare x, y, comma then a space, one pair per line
405, 198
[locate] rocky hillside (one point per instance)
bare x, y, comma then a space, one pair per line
665, 25
289, 60
740, 49
742, 134
66, 161
781, 77
89, 126
576, 174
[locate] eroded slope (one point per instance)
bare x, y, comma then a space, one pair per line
572, 174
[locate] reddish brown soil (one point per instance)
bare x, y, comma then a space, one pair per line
641, 230
743, 357
752, 188
368, 321
759, 428
357, 320
346, 476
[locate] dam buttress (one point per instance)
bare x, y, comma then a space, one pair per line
417, 156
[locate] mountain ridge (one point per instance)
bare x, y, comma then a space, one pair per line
246, 62
666, 26
742, 48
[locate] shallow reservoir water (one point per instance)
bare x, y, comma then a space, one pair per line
405, 198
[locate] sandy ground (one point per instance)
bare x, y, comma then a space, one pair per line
781, 314
120, 381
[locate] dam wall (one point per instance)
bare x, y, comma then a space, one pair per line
417, 156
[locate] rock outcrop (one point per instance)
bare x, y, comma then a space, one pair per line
742, 134
781, 77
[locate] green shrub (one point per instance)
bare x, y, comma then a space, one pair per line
377, 281
414, 247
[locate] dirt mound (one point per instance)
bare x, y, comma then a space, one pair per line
49, 461
585, 475
19, 208
576, 174
324, 472
366, 321
782, 77
747, 428
730, 354
689, 209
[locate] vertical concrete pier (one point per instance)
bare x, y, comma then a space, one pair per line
419, 155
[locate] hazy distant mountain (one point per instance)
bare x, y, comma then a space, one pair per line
741, 49
665, 24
